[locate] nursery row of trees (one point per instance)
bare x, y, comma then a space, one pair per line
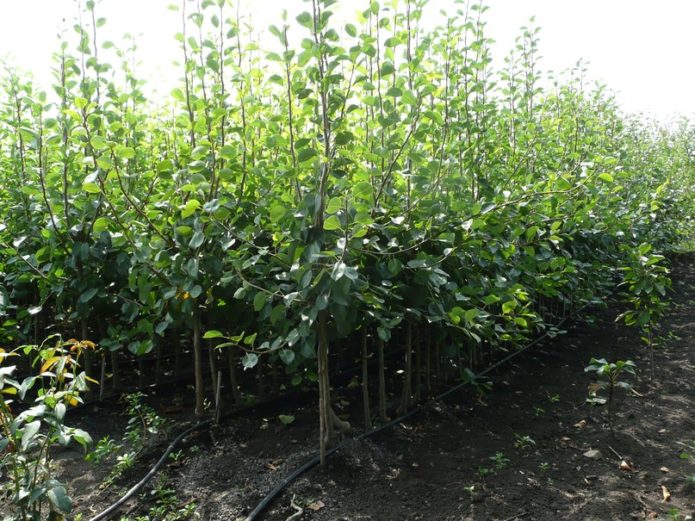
355, 187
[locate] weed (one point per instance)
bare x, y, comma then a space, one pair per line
104, 448
500, 460
523, 442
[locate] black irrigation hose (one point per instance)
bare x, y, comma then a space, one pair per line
265, 502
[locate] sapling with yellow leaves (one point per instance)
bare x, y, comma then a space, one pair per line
27, 437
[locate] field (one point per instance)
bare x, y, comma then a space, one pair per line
444, 283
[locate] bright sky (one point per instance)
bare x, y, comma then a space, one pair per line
642, 49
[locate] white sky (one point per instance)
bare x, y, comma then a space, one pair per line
642, 49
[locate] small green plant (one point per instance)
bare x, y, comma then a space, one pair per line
168, 505
26, 479
523, 442
104, 449
481, 384
176, 455
500, 460
609, 374
483, 471
544, 466
647, 282
538, 411
143, 422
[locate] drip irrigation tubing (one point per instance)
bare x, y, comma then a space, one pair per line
311, 463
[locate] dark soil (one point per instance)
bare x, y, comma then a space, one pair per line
516, 453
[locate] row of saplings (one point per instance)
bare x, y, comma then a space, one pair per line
30, 491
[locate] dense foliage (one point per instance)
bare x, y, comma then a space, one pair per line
366, 185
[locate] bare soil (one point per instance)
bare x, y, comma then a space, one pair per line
466, 458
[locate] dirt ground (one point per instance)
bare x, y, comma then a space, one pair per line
517, 453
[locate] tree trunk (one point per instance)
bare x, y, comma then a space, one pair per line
365, 382
212, 361
428, 365
102, 377
158, 363
325, 420
382, 381
177, 356
198, 363
115, 372
408, 373
418, 368
236, 392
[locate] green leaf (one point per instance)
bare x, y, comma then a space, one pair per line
91, 188
60, 500
286, 419
123, 152
306, 154
88, 295
608, 178
287, 356
249, 361
305, 20
29, 433
362, 190
332, 223
277, 212
259, 301
509, 306
197, 240
213, 333
189, 208
99, 143
101, 224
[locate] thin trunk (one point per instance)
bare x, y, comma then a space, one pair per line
418, 368
428, 365
325, 420
218, 398
260, 374
275, 390
365, 382
158, 364
115, 372
382, 381
236, 392
408, 374
102, 378
212, 361
198, 363
178, 365
141, 372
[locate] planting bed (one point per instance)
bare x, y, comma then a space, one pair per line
466, 457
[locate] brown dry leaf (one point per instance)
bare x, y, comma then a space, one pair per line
580, 424
270, 466
627, 466
594, 387
316, 505
665, 493
664, 470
